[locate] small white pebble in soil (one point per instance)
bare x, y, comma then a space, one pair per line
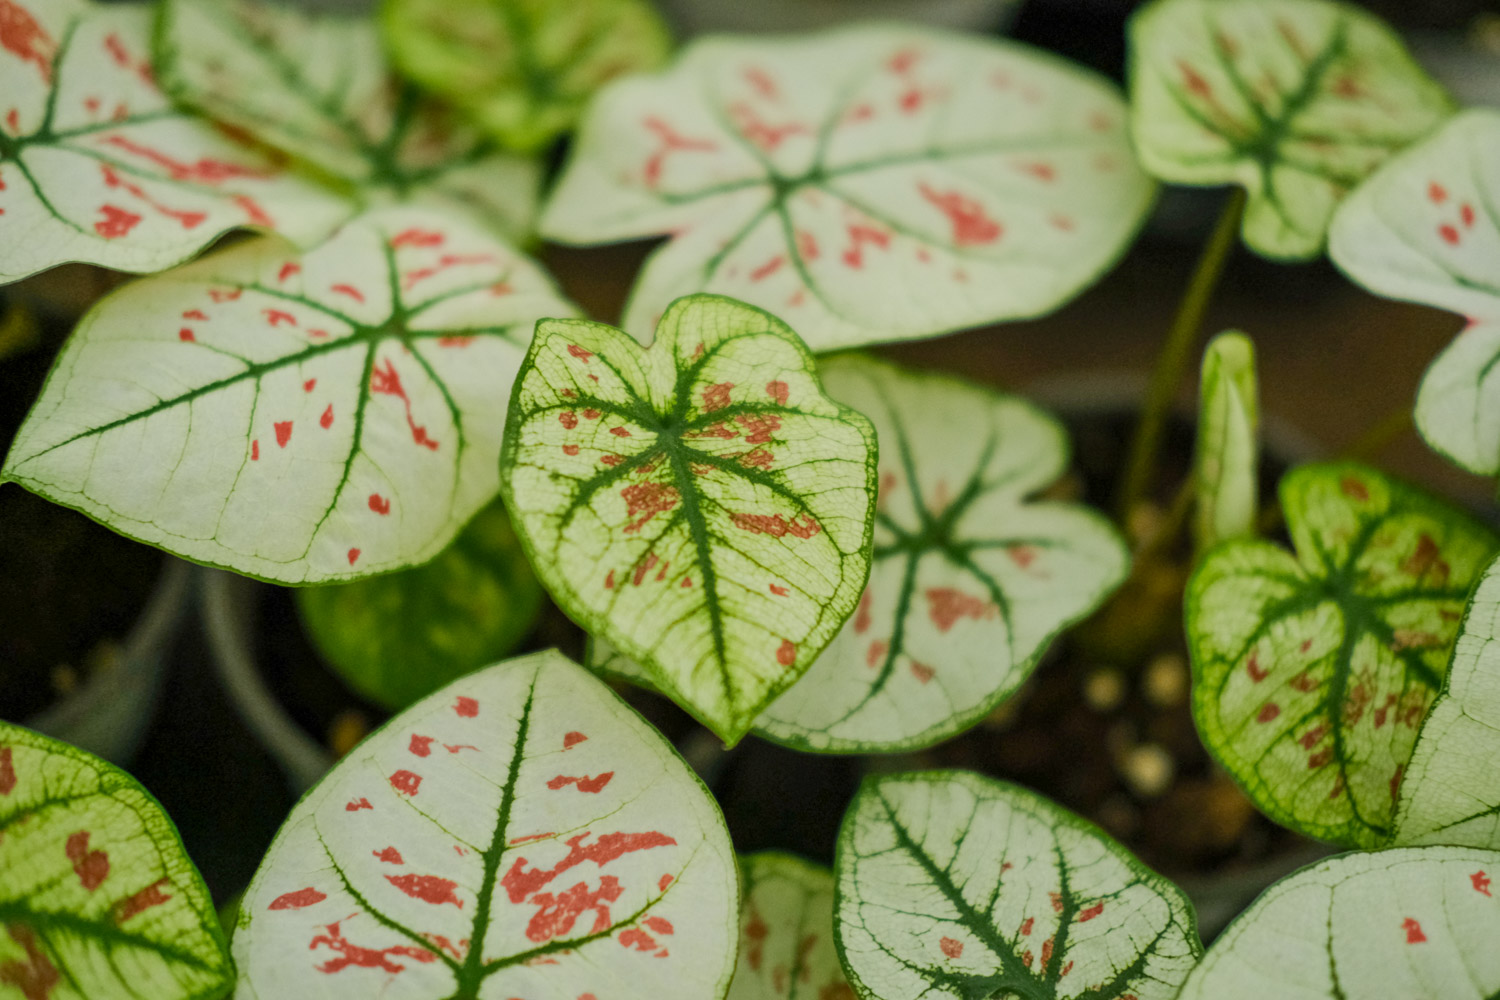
1104, 689
1148, 769
1165, 683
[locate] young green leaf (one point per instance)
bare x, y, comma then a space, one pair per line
952, 885
1451, 792
1313, 672
1426, 228
97, 896
397, 638
300, 418
96, 166
320, 89
873, 183
521, 830
786, 932
1294, 100
522, 69
701, 504
1388, 925
1226, 462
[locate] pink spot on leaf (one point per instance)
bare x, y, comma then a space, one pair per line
405, 782
584, 783
420, 745
427, 888
297, 900
380, 504
786, 653
950, 947
389, 855
466, 707
91, 867
1413, 931
283, 432
326, 420
572, 739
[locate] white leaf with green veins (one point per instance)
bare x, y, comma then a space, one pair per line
1451, 792
952, 885
786, 932
96, 165
1312, 672
701, 505
1297, 101
1426, 228
299, 418
873, 183
97, 896
1387, 925
521, 832
1226, 461
320, 88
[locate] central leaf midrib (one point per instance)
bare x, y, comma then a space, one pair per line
698, 530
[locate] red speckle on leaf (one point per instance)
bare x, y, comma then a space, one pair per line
405, 782
353, 555
420, 745
116, 222
876, 652
1044, 172
326, 420
466, 707
456, 747
950, 947
570, 449
1253, 668
972, 226
1413, 931
91, 867
945, 606
148, 897
801, 526
276, 317
637, 939
379, 504
1026, 926
777, 391
568, 419
1466, 215
557, 913
357, 805
1436, 193
572, 739
458, 951
1320, 759
1313, 736
351, 291
590, 414
225, 294
659, 925
756, 129
1090, 913
297, 900
670, 141
643, 501
1268, 711
859, 236
761, 82
1061, 222
619, 432
759, 429
663, 882
1027, 958
1481, 882
1354, 489
1305, 682
584, 783
716, 397
365, 958
387, 382
309, 385
7, 771
779, 590
1022, 555
417, 238
195, 314
283, 432
922, 672
186, 336
767, 269
1449, 234
529, 838
36, 976
389, 855
288, 269
580, 353
609, 580
23, 37
1194, 81
1046, 954
786, 653
427, 888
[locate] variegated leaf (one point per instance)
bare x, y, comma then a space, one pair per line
97, 897
868, 184
952, 886
521, 833
299, 418
1226, 463
1312, 672
786, 932
1297, 101
701, 505
1426, 228
96, 166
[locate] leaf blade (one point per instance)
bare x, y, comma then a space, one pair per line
786, 931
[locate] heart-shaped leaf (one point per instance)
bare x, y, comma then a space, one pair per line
320, 89
520, 833
701, 504
399, 637
1313, 672
1451, 792
1297, 101
1226, 462
522, 69
294, 417
869, 184
96, 166
951, 885
1387, 925
97, 896
1426, 228
786, 932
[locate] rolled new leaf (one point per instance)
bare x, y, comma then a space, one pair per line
952, 885
786, 932
1226, 474
520, 830
701, 505
873, 183
97, 896
1296, 101
1313, 672
1388, 925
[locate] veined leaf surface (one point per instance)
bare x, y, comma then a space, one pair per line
701, 505
1451, 792
96, 166
952, 885
1226, 462
320, 88
1386, 925
868, 184
523, 69
299, 418
1312, 672
520, 833
97, 896
1297, 101
1426, 228
786, 932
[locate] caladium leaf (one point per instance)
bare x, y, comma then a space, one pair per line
1297, 101
701, 505
952, 885
97, 896
1312, 672
1227, 460
398, 637
320, 89
868, 184
298, 418
520, 833
786, 932
1426, 228
95, 164
1386, 925
1451, 791
522, 69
